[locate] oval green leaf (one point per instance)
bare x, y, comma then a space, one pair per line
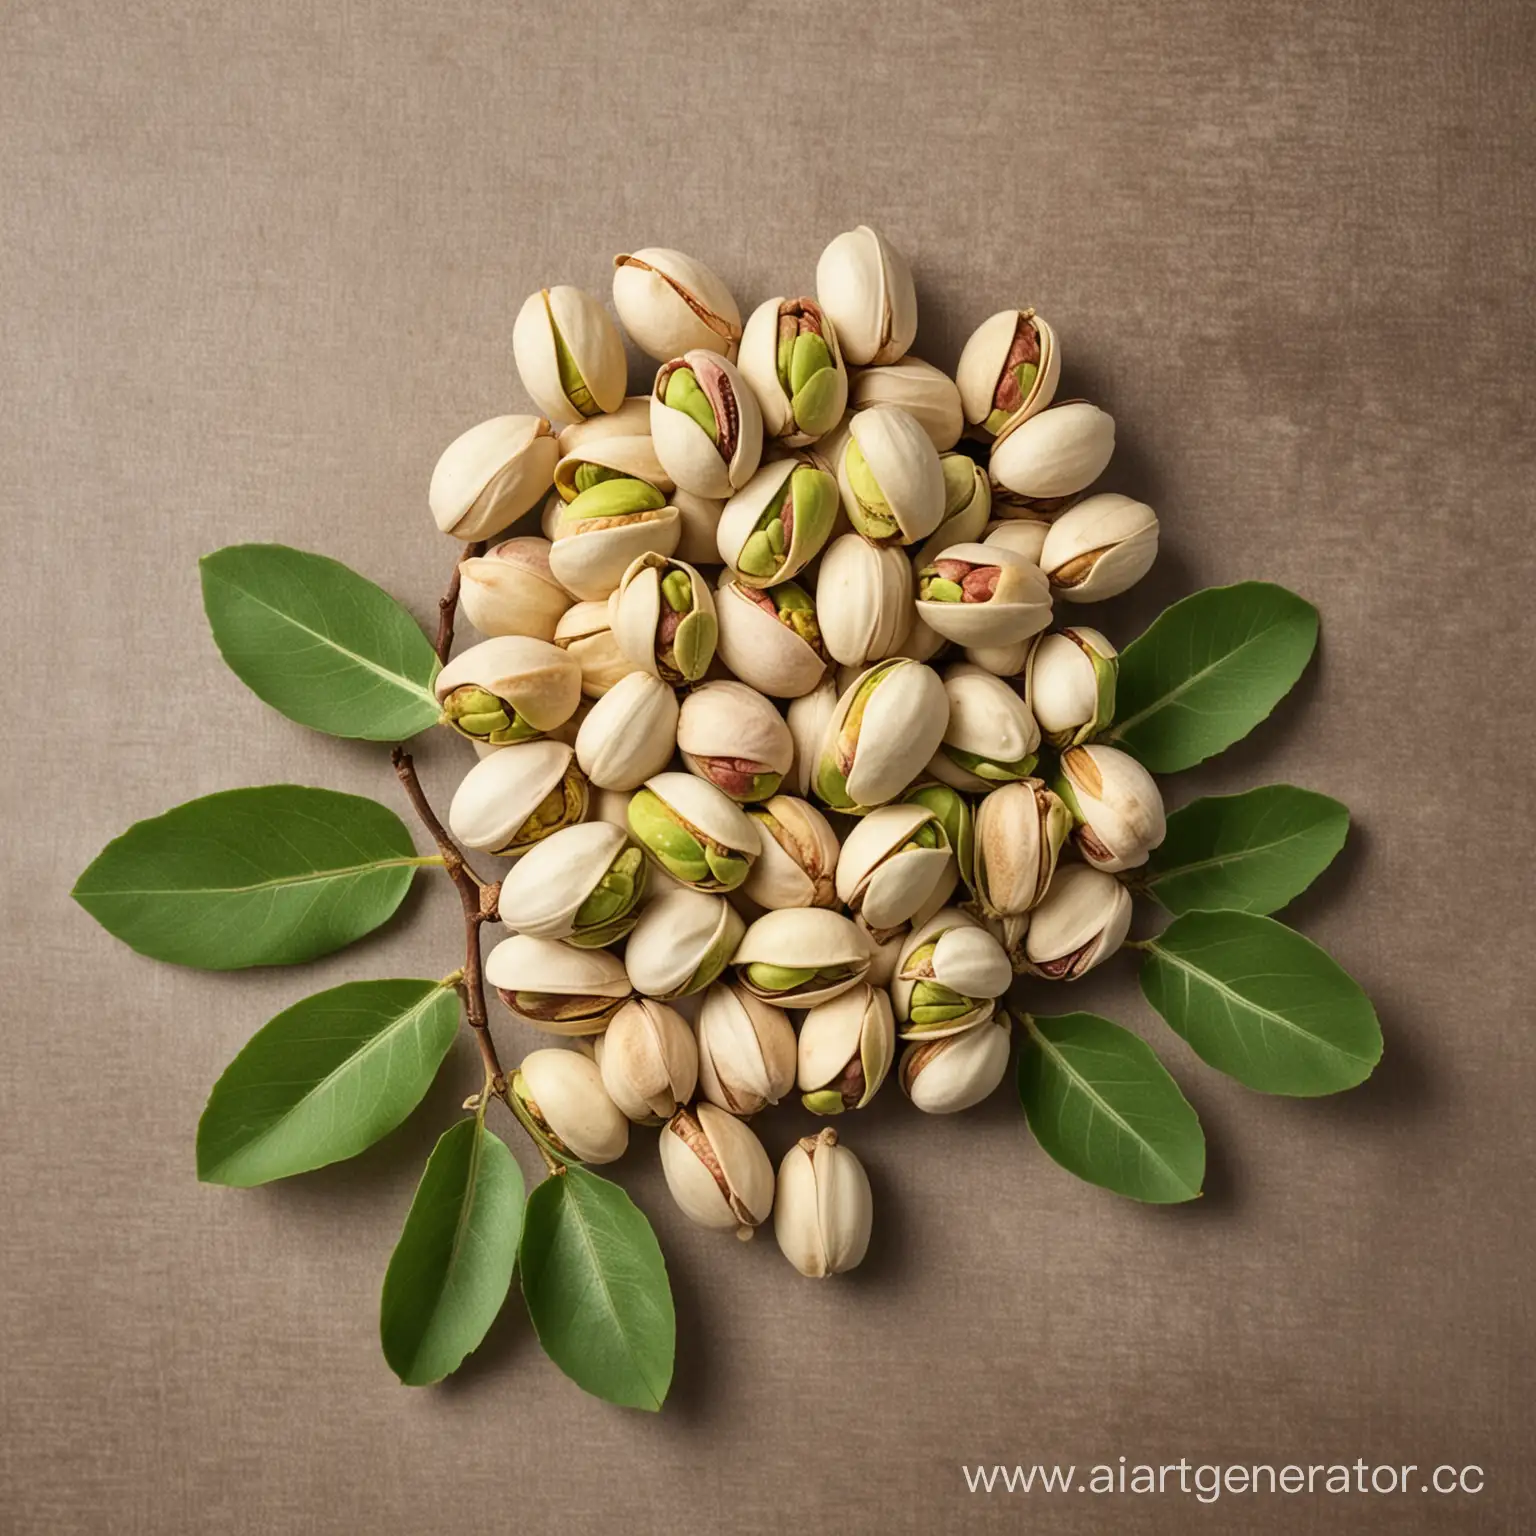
452, 1268
325, 1079
1103, 1106
597, 1290
268, 876
319, 643
1252, 852
1261, 1003
1208, 670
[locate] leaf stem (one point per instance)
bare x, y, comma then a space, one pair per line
1141, 944
448, 604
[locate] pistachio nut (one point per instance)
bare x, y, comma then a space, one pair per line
562, 990
846, 1047
886, 726
799, 857
510, 590
865, 288
926, 393
683, 941
670, 303
808, 717
1023, 535
983, 595
1070, 685
863, 600
582, 884
954, 1072
954, 814
822, 1207
799, 956
613, 460
490, 475
791, 358
777, 523
649, 1061
891, 481
629, 734
583, 632
887, 945
746, 1050
508, 689
1020, 831
992, 737
717, 1170
967, 507
1100, 548
1116, 804
569, 355
770, 638
948, 977
694, 831
1082, 921
517, 796
698, 527
731, 735
1050, 457
559, 1096
663, 617
705, 424
632, 418
1008, 371
895, 858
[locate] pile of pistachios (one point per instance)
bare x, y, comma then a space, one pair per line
772, 720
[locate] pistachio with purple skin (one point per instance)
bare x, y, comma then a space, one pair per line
770, 637
663, 617
732, 736
706, 427
1008, 370
791, 358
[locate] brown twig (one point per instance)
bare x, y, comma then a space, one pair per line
448, 604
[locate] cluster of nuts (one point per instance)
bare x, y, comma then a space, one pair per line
813, 784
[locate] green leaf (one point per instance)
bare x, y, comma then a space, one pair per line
1248, 853
325, 1079
268, 876
452, 1268
320, 643
1208, 670
1103, 1106
597, 1290
1261, 1003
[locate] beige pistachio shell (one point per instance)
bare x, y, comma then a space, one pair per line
634, 456
670, 303
590, 562
758, 362
504, 789
822, 1210
1023, 535
708, 809
635, 610
728, 719
687, 452
926, 393
981, 365
966, 959
523, 963
746, 1050
629, 734
563, 1091
847, 1044
967, 507
544, 889
1056, 453
799, 859
988, 719
921, 643
699, 525
717, 1170
1020, 605
1062, 683
490, 475
1082, 921
808, 717
739, 519
905, 464
591, 340
887, 944
880, 879
759, 649
584, 633
803, 938
865, 286
863, 600
632, 418
1020, 830
1100, 548
1120, 806
678, 932
901, 728
538, 679
510, 590
649, 1061
955, 1072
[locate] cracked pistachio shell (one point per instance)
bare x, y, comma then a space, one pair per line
590, 561
802, 939
523, 969
863, 600
715, 466
846, 1048
683, 941
732, 736
1082, 921
967, 507
966, 959
632, 457
822, 1207
899, 457
544, 891
1116, 803
707, 810
746, 1050
887, 944
632, 418
1070, 684
980, 370
1010, 932
865, 287
1019, 607
955, 1072
884, 874
813, 497
992, 737
812, 405
629, 734
584, 633
489, 476
670, 303
808, 718
717, 1170
510, 590
926, 393
1020, 830
799, 858
649, 1061
539, 680
589, 378
698, 525
1100, 548
645, 598
496, 798
759, 648
1023, 535
887, 725
1056, 453
561, 1093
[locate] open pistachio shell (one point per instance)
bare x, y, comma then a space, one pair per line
887, 725
569, 355
1008, 371
889, 474
694, 831
556, 988
516, 796
490, 475
629, 734
863, 600
746, 1050
846, 1047
759, 640
705, 424
926, 393
800, 956
1070, 684
886, 944
948, 976
777, 523
942, 1076
1081, 922
670, 303
717, 1170
682, 943
510, 590
967, 507
663, 618
606, 457
822, 1208
992, 737
583, 632
983, 595
559, 1096
649, 1061
1100, 548
575, 885
799, 858
865, 286
508, 689
590, 555
1052, 455
791, 358
732, 736
1116, 803
891, 864
632, 418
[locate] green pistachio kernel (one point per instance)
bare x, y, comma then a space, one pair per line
684, 394
1068, 796
615, 893
871, 514
796, 610
677, 590
668, 841
932, 1003
807, 357
959, 482
617, 497
765, 786
939, 589
728, 869
588, 475
572, 385
926, 836
779, 978
482, 716
757, 557
824, 1101
712, 964
991, 768
954, 816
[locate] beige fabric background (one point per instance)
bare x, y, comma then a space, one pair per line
258, 263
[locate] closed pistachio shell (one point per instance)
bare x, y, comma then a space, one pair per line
490, 475
808, 717
632, 418
791, 359
1116, 803
865, 286
1020, 830
886, 727
683, 941
663, 618
847, 1044
777, 523
570, 887
1100, 548
992, 737
1056, 453
717, 1170
926, 393
920, 643
716, 459
762, 637
555, 987
800, 956
823, 1210
629, 734
891, 481
947, 977
569, 355
799, 857
1081, 922
698, 525
891, 864
955, 1072
584, 633
516, 796
732, 736
1008, 370
1070, 684
863, 600
670, 303
1023, 535
510, 590
983, 595
649, 1061
746, 1050
508, 689
561, 1099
